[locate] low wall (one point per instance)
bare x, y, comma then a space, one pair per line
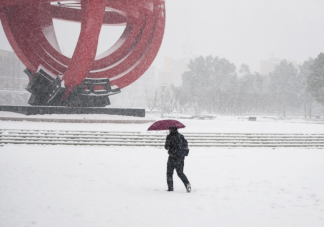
121, 121
36, 110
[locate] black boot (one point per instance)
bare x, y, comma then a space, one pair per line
170, 186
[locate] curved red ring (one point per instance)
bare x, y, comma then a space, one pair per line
33, 39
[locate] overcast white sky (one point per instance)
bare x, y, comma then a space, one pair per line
243, 31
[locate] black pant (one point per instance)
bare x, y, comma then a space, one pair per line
178, 164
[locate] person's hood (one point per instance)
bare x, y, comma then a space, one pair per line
174, 130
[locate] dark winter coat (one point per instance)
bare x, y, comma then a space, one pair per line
170, 144
174, 161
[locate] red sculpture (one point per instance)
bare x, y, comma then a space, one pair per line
29, 28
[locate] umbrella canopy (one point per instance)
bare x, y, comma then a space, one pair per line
165, 124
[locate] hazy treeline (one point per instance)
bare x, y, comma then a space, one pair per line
214, 85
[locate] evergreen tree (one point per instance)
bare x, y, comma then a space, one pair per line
315, 81
285, 86
250, 92
308, 100
210, 84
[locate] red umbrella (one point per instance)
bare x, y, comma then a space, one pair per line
165, 124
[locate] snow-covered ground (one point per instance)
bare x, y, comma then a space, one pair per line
70, 186
119, 186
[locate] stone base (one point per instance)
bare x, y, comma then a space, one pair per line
35, 110
47, 91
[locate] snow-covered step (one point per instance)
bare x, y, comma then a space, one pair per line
151, 144
153, 133
161, 141
104, 138
137, 137
163, 136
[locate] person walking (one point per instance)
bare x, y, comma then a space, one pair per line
176, 158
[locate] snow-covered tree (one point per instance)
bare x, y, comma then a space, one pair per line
210, 84
309, 101
285, 87
315, 81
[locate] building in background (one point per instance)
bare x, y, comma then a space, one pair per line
12, 76
13, 80
133, 95
267, 66
172, 71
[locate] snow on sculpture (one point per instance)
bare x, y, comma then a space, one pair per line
85, 79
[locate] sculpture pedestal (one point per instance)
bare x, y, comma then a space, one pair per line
35, 110
47, 91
